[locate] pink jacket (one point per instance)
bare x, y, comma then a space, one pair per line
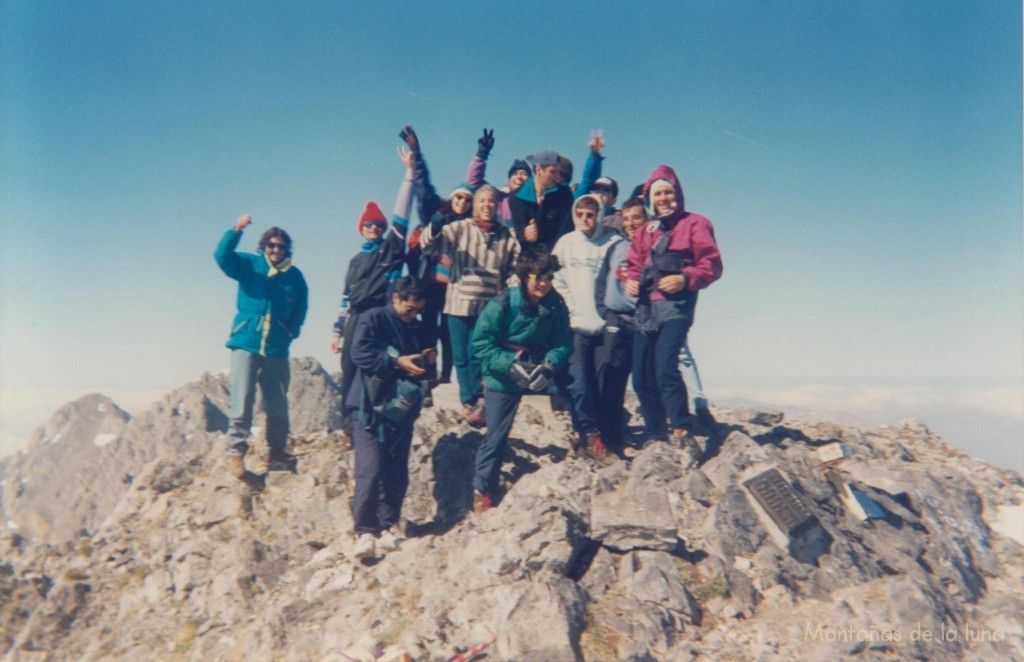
690, 234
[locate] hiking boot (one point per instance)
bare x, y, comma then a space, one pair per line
282, 461
235, 465
681, 439
595, 447
482, 502
474, 414
389, 541
366, 547
705, 417
428, 400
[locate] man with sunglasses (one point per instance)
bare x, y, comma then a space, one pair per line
272, 302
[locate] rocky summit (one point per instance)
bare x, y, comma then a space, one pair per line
794, 539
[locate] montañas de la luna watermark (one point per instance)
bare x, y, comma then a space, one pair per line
918, 632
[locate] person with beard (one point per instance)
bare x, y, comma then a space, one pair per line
370, 273
478, 254
272, 303
673, 257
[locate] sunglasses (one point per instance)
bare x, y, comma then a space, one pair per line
544, 278
374, 224
276, 244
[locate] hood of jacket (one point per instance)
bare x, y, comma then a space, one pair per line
600, 229
669, 175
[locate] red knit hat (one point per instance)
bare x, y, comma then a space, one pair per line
372, 213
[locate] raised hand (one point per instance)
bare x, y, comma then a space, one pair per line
596, 141
243, 222
406, 155
411, 139
485, 144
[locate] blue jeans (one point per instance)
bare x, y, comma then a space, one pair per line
272, 374
688, 367
500, 410
583, 387
467, 365
656, 378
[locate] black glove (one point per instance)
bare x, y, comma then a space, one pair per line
409, 136
541, 376
485, 144
520, 374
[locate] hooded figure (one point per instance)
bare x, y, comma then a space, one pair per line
581, 254
671, 258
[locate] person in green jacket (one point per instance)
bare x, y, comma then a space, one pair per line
272, 302
523, 340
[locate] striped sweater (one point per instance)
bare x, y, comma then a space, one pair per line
478, 263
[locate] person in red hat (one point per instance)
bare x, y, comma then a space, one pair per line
370, 273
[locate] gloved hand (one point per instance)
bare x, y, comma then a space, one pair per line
485, 144
541, 376
520, 374
409, 136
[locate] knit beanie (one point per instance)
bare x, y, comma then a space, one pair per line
468, 189
519, 164
372, 213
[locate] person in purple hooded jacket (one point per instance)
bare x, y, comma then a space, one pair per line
672, 258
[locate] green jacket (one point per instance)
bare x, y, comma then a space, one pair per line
510, 323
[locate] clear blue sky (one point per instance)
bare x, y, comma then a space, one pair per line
861, 162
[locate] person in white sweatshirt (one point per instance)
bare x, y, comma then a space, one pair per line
581, 254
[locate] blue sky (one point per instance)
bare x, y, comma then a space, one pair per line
861, 162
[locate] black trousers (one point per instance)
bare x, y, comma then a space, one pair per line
382, 477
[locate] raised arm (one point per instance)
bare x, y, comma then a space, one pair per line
227, 258
429, 200
592, 168
477, 169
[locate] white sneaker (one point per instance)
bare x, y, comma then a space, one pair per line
366, 547
388, 541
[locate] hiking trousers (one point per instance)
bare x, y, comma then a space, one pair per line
382, 477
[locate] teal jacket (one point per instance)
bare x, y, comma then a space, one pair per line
272, 303
510, 323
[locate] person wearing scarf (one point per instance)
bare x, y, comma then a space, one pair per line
482, 254
272, 302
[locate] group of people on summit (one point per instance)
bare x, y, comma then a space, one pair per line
535, 287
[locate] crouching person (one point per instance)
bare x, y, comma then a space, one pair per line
523, 340
272, 302
383, 402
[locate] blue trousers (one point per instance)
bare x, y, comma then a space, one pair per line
656, 378
500, 410
382, 477
584, 386
272, 374
467, 366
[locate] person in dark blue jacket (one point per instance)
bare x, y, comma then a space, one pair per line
272, 303
393, 361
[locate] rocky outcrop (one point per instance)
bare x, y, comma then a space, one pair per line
76, 466
641, 560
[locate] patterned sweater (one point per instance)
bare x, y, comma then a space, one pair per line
478, 262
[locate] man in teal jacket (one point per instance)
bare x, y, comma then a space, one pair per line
272, 303
523, 340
